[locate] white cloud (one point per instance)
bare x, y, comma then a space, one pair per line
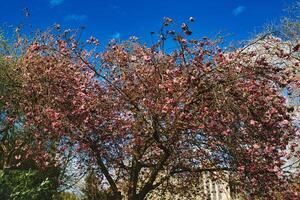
238, 10
56, 2
74, 17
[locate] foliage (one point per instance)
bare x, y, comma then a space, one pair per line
21, 178
65, 196
290, 25
13, 136
92, 190
27, 185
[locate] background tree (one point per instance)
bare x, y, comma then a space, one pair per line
21, 176
92, 188
66, 196
289, 27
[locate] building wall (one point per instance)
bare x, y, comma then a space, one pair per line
205, 189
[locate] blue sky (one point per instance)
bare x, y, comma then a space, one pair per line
106, 19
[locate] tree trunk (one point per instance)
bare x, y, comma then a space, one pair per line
117, 196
